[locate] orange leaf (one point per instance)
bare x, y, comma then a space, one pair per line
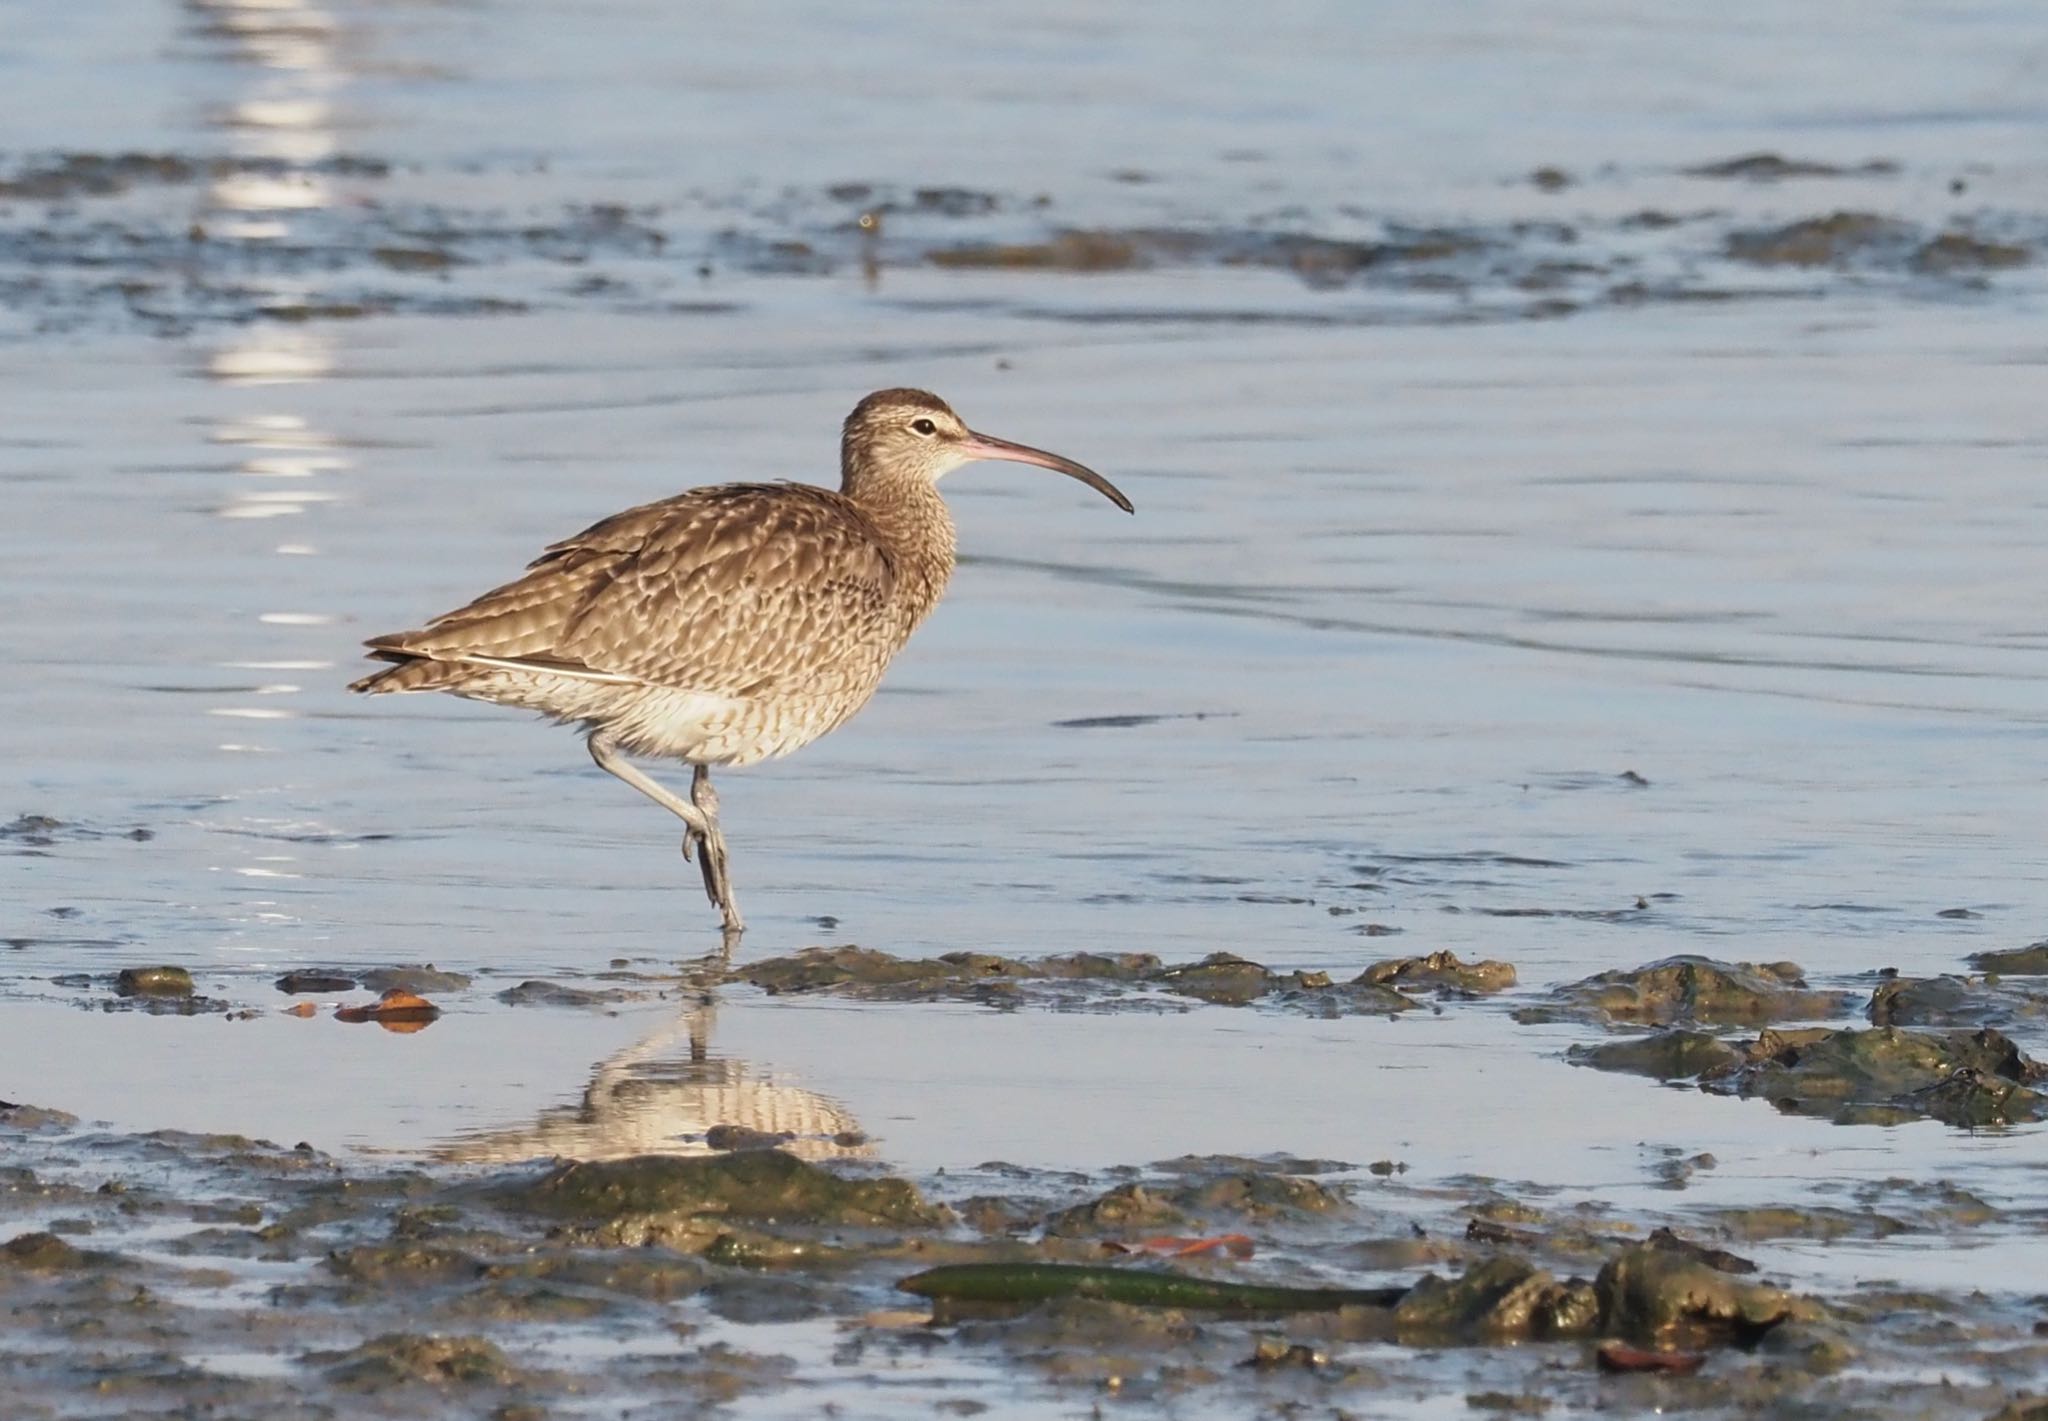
1620, 1357
1236, 1245
301, 1009
396, 1010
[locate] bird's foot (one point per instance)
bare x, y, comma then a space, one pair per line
718, 878
714, 864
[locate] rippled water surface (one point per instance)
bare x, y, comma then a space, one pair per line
1577, 594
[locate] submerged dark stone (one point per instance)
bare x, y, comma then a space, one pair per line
1689, 990
541, 993
421, 979
1771, 167
295, 982
35, 830
1677, 1054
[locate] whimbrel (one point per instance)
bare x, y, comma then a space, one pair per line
727, 625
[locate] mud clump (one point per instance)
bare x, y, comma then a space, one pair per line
66, 177
1085, 978
1235, 982
2028, 961
1774, 167
1440, 972
1834, 240
42, 1253
1258, 1197
1952, 1001
1088, 1339
1889, 1074
1221, 978
1953, 253
16, 1116
1129, 1208
1136, 1208
403, 1263
35, 830
398, 1359
1789, 1221
651, 1274
1689, 990
1655, 1292
153, 982
681, 1200
1884, 1075
431, 259
869, 974
1323, 262
1500, 1298
1659, 1291
1064, 251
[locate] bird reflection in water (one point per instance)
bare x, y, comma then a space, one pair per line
666, 1094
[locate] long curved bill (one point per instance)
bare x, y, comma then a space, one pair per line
983, 446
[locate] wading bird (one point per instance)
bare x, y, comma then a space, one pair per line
726, 625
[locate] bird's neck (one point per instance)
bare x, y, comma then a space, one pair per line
918, 529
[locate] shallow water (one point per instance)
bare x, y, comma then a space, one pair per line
1414, 583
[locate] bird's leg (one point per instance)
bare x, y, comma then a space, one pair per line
605, 750
702, 827
717, 878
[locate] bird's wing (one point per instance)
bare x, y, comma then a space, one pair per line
740, 590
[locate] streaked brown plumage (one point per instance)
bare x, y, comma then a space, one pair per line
726, 625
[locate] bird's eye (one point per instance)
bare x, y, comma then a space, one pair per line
924, 427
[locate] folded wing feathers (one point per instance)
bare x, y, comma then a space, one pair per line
730, 590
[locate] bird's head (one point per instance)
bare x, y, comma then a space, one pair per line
894, 434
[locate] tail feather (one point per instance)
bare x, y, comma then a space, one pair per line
412, 673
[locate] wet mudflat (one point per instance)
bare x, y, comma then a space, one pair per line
176, 1271
1554, 759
